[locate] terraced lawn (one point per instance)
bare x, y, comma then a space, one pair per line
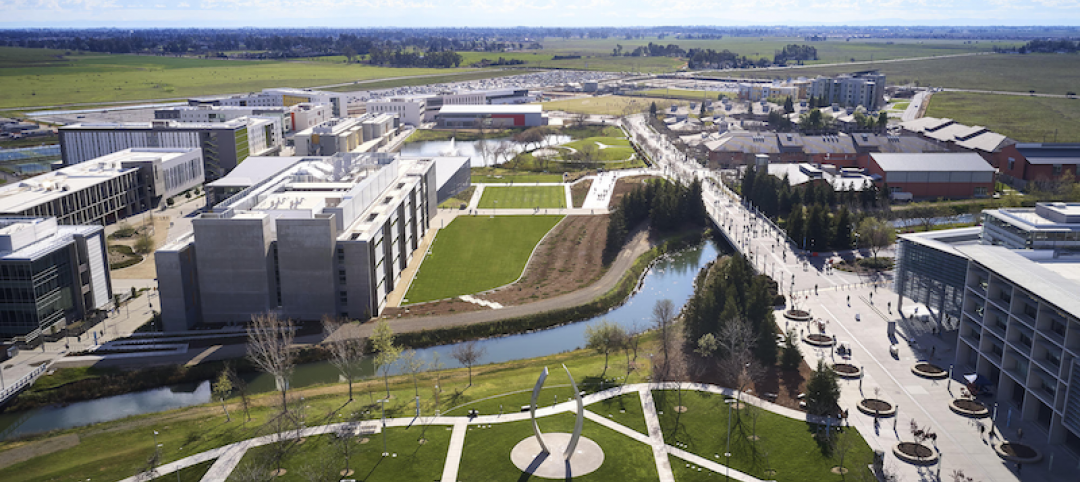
523, 197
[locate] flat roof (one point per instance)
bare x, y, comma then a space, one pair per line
1056, 280
946, 240
254, 170
492, 109
47, 244
932, 161
167, 124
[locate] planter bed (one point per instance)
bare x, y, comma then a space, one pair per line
819, 340
929, 370
876, 407
1017, 452
969, 408
914, 453
847, 370
797, 315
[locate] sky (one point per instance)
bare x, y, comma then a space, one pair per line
511, 13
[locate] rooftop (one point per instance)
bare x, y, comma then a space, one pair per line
1047, 153
24, 238
492, 109
254, 170
168, 124
934, 162
1052, 277
1044, 216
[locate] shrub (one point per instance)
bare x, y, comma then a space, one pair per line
124, 230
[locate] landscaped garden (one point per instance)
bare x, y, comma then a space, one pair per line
523, 197
477, 253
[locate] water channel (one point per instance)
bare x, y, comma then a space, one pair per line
469, 148
671, 277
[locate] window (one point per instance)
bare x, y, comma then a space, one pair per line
980, 191
1012, 163
1057, 169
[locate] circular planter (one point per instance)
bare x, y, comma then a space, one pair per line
969, 408
798, 315
817, 339
929, 370
876, 407
847, 370
1017, 452
914, 453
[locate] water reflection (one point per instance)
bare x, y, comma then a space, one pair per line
469, 148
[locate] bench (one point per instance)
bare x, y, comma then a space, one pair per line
770, 397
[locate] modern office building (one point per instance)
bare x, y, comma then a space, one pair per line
860, 88
284, 96
293, 118
349, 134
409, 110
757, 91
223, 144
325, 236
1046, 226
51, 275
106, 189
466, 116
929, 270
952, 175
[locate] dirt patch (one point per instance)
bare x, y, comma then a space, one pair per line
846, 368
969, 405
875, 405
579, 191
680, 409
37, 449
626, 184
567, 260
929, 368
839, 470
146, 269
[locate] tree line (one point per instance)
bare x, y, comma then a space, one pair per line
795, 52
667, 206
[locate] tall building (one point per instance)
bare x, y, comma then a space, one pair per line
348, 134
224, 144
293, 118
860, 88
51, 275
325, 236
106, 189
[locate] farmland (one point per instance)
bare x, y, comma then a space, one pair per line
605, 105
1024, 118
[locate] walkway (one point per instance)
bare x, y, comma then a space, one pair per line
227, 458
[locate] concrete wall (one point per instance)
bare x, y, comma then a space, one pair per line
178, 288
360, 280
235, 268
306, 266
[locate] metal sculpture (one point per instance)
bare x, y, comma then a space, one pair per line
578, 424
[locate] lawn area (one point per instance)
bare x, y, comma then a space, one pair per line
1024, 118
515, 177
194, 473
523, 197
430, 79
38, 78
477, 253
324, 456
616, 149
691, 95
786, 445
900, 106
1044, 73
607, 105
487, 452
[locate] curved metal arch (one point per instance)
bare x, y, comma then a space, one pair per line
532, 409
578, 423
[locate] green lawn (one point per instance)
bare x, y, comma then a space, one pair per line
617, 148
608, 105
477, 253
515, 177
1024, 118
33, 77
899, 106
487, 452
786, 445
194, 473
523, 197
461, 76
323, 455
691, 95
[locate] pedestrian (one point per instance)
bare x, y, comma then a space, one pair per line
1018, 467
933, 350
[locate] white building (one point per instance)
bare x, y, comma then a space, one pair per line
106, 189
339, 102
349, 134
224, 144
861, 88
467, 116
293, 118
325, 236
409, 110
1046, 226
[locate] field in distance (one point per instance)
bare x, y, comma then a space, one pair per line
1021, 117
477, 253
38, 77
608, 105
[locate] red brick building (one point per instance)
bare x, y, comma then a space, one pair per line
952, 175
1023, 163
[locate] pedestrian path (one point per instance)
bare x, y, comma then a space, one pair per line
228, 457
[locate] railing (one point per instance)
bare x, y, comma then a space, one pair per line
22, 383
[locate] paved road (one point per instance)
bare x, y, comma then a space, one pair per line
1002, 92
916, 107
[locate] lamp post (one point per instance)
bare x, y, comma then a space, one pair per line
382, 404
727, 453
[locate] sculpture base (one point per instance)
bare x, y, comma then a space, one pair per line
528, 457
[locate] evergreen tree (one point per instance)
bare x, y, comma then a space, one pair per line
822, 390
817, 228
652, 109
789, 105
748, 183
796, 225
883, 120
842, 230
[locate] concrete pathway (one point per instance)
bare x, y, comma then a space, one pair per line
569, 196
656, 436
453, 454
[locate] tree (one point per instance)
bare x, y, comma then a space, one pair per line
468, 354
345, 353
822, 390
633, 340
386, 352
883, 120
789, 106
145, 244
414, 365
269, 348
241, 389
436, 366
605, 337
926, 213
737, 364
842, 229
663, 315
790, 356
222, 388
875, 234
652, 110
796, 225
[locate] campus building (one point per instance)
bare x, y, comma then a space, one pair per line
757, 91
497, 116
293, 118
224, 144
106, 189
51, 275
1046, 226
417, 109
952, 175
1023, 163
285, 97
323, 236
348, 134
859, 88
737, 148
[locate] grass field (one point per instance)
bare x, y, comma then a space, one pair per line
786, 445
429, 79
477, 253
1044, 73
1024, 118
691, 95
607, 105
618, 149
487, 452
523, 197
515, 177
33, 77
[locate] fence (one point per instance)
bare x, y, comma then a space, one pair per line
10, 390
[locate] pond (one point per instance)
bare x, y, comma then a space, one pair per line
469, 148
671, 277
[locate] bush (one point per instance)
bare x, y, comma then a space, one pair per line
144, 245
170, 202
123, 231
790, 355
878, 263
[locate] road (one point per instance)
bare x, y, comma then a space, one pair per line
916, 107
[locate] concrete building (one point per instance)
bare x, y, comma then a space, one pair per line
349, 134
1046, 226
256, 170
1023, 163
106, 189
860, 88
325, 236
466, 116
410, 111
285, 97
51, 275
954, 175
755, 92
840, 179
293, 118
224, 144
